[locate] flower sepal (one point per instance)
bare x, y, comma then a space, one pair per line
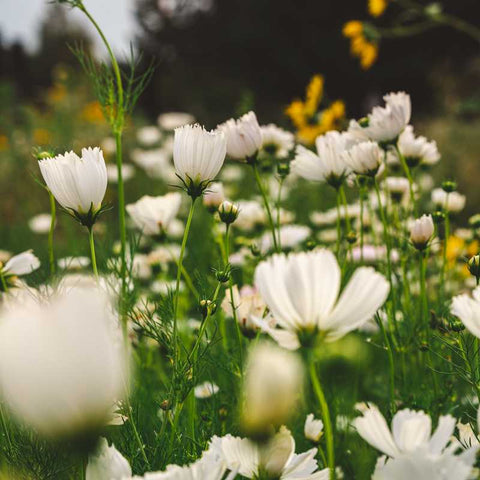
88, 219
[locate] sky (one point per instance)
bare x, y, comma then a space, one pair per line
20, 20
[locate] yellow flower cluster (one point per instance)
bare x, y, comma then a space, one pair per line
458, 248
308, 119
360, 47
377, 7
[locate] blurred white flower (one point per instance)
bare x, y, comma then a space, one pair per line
276, 459
452, 202
214, 195
250, 214
141, 267
244, 136
328, 164
152, 215
73, 263
205, 390
422, 231
302, 290
172, 120
40, 223
164, 254
385, 124
467, 436
21, 264
398, 187
232, 173
313, 428
277, 141
62, 363
107, 463
128, 171
78, 183
290, 237
156, 163
417, 150
108, 145
364, 158
149, 135
249, 308
467, 309
272, 386
198, 155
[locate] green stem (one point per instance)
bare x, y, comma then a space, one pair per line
408, 174
362, 201
339, 228
5, 426
4, 282
179, 275
391, 364
92, 251
326, 417
265, 202
279, 201
423, 293
443, 273
51, 255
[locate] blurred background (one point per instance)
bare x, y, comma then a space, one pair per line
218, 58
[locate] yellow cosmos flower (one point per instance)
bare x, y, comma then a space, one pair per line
360, 46
377, 7
353, 28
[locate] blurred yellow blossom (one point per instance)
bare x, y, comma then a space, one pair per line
41, 136
92, 113
377, 7
309, 120
57, 93
360, 47
457, 249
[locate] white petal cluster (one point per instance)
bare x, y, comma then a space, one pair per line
417, 150
21, 264
277, 458
198, 155
62, 364
250, 214
206, 390
467, 309
149, 135
77, 183
244, 136
302, 290
171, 120
421, 231
276, 140
152, 215
290, 237
412, 449
40, 223
364, 158
214, 195
328, 164
453, 202
313, 428
107, 463
272, 385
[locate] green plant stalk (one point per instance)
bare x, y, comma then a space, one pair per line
389, 261
4, 282
345, 206
186, 276
232, 301
326, 417
443, 273
266, 204
51, 255
5, 426
408, 174
92, 251
339, 227
362, 202
391, 364
177, 284
279, 201
423, 291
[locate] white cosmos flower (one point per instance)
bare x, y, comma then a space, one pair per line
302, 290
272, 386
73, 263
467, 436
107, 463
417, 150
40, 223
149, 135
250, 214
156, 163
290, 237
313, 428
422, 231
249, 308
276, 140
328, 164
467, 309
386, 123
78, 183
398, 187
172, 120
214, 195
62, 363
21, 264
198, 155
244, 136
277, 458
205, 390
128, 171
364, 158
152, 215
452, 202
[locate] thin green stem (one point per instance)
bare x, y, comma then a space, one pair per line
179, 275
391, 363
51, 255
267, 205
92, 251
443, 273
408, 174
339, 228
5, 426
4, 282
326, 417
362, 201
279, 201
423, 292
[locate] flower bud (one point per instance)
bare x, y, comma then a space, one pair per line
283, 169
474, 221
351, 237
449, 186
228, 212
474, 266
313, 428
421, 232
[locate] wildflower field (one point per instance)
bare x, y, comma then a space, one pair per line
241, 300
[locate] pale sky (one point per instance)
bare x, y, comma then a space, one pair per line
20, 20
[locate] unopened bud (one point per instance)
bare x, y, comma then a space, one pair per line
228, 212
449, 186
421, 232
351, 237
474, 266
